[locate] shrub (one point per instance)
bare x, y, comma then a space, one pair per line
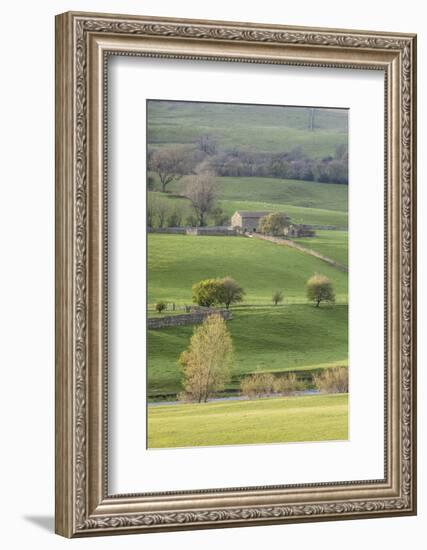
277, 297
160, 306
334, 380
257, 385
287, 384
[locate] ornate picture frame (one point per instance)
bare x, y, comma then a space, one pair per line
84, 42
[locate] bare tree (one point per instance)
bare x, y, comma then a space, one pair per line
207, 143
201, 190
170, 163
162, 212
157, 210
151, 210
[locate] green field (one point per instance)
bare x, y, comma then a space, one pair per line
333, 244
291, 336
294, 336
308, 418
304, 201
298, 214
297, 337
175, 262
266, 128
306, 194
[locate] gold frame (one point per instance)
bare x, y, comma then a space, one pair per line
83, 43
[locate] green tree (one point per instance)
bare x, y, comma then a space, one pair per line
319, 288
206, 364
273, 224
207, 293
230, 292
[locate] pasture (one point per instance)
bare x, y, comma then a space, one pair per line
265, 128
176, 262
305, 194
278, 420
304, 201
292, 336
333, 244
278, 339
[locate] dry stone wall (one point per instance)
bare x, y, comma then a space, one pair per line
192, 318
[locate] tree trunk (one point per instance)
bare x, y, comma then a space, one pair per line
318, 303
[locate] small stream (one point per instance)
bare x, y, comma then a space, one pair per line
235, 398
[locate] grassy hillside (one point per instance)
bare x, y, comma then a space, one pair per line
292, 336
298, 214
270, 338
333, 244
175, 262
305, 201
309, 418
311, 216
264, 128
307, 194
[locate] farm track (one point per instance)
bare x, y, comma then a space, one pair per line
305, 250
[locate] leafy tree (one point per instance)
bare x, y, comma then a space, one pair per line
230, 292
277, 297
160, 306
207, 363
273, 224
208, 292
319, 289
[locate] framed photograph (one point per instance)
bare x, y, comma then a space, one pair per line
235, 274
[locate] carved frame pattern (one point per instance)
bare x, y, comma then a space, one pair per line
77, 510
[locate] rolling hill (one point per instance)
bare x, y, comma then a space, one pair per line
264, 128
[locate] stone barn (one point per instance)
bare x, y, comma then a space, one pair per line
245, 220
